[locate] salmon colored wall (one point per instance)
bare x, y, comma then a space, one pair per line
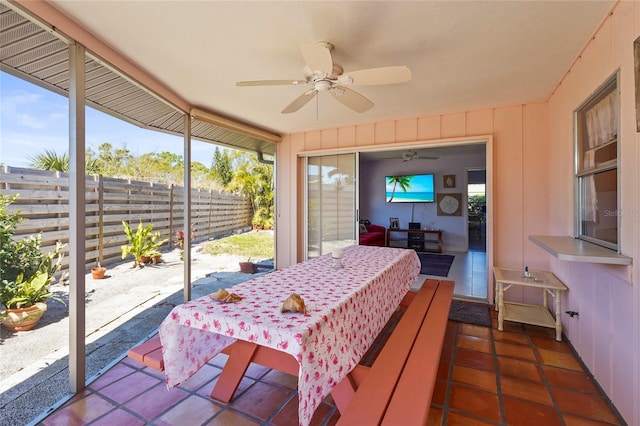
606, 333
533, 194
519, 146
520, 135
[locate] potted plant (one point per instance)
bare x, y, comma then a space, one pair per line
97, 272
142, 243
155, 257
179, 241
247, 267
25, 271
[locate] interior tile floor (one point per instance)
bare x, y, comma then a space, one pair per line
469, 271
520, 376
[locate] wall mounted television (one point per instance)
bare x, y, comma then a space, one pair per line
410, 189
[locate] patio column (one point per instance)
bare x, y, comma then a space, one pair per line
187, 208
77, 363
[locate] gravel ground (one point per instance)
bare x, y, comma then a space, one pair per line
121, 310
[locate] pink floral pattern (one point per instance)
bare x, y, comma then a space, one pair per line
347, 309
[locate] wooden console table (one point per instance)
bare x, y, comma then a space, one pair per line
524, 313
436, 232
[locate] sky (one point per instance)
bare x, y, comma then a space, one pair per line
33, 119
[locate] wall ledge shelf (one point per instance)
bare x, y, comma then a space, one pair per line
576, 250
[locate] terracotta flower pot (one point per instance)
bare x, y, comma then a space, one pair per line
24, 318
247, 267
97, 273
155, 259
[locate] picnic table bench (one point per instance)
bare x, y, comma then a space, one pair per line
398, 387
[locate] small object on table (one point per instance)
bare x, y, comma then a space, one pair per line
336, 254
224, 296
294, 303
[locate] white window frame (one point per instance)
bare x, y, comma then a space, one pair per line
593, 213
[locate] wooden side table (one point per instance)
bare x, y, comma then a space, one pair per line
525, 313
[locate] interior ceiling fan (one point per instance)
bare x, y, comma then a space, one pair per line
324, 75
413, 155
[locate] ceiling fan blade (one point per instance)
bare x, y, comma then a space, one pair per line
270, 83
317, 56
372, 76
351, 99
300, 101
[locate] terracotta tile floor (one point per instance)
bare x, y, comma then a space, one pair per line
520, 376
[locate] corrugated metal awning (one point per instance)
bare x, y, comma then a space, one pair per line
36, 53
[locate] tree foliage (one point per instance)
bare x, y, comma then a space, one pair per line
222, 167
476, 205
52, 161
255, 179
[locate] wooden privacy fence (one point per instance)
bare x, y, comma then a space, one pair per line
44, 202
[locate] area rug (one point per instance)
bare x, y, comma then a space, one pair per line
470, 313
435, 264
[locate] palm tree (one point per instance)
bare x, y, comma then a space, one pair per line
51, 160
54, 162
403, 181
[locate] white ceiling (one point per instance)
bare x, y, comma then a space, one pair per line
464, 55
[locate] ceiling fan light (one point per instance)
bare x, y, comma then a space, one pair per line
337, 91
323, 85
345, 79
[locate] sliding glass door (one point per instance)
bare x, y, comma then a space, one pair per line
331, 199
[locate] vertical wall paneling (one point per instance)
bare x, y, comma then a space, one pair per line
602, 49
479, 122
365, 134
535, 153
329, 139
453, 125
606, 332
406, 130
312, 141
347, 136
385, 132
429, 128
508, 203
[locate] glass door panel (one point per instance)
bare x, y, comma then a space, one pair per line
331, 203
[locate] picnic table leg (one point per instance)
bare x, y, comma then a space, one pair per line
344, 391
240, 357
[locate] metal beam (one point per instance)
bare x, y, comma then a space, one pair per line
77, 362
187, 208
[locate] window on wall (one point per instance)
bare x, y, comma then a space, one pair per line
597, 133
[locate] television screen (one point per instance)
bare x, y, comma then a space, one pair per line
410, 189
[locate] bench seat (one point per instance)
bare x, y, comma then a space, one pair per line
398, 387
148, 353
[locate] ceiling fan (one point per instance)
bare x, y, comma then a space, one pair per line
413, 155
324, 75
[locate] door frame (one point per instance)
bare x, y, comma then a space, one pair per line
487, 140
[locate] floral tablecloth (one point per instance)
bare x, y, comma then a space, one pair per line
348, 308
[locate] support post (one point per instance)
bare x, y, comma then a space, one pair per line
187, 208
77, 184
